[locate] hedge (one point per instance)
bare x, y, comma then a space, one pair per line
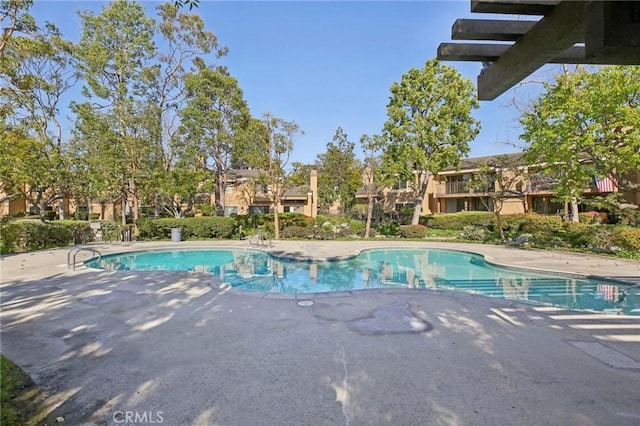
457, 221
413, 231
286, 220
193, 228
28, 235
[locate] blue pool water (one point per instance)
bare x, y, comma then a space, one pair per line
254, 270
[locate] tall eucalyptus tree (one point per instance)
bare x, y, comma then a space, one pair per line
36, 70
184, 43
115, 55
213, 121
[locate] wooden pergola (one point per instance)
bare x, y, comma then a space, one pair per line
566, 32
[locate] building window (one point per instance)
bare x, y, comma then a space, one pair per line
293, 209
547, 205
258, 209
400, 185
230, 210
454, 205
480, 204
404, 206
456, 184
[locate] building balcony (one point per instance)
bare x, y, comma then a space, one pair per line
451, 188
458, 188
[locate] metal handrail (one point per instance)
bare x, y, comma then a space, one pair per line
260, 240
72, 265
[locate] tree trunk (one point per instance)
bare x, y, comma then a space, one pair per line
41, 207
500, 227
367, 228
42, 212
134, 200
221, 183
123, 216
276, 221
573, 206
419, 200
157, 210
61, 210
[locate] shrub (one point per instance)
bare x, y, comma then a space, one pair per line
110, 230
584, 217
37, 235
147, 229
539, 226
578, 235
285, 220
297, 232
249, 223
196, 228
372, 232
474, 233
81, 230
413, 231
389, 229
626, 238
10, 235
27, 235
629, 217
458, 221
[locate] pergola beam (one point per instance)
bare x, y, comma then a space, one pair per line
489, 29
514, 7
598, 32
476, 52
556, 32
612, 31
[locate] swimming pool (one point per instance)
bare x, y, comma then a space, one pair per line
257, 271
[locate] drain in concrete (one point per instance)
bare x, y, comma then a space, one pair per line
305, 303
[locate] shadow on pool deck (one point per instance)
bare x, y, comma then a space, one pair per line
179, 348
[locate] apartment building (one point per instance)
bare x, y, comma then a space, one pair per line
449, 191
243, 196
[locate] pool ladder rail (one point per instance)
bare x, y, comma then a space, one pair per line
259, 240
71, 262
625, 292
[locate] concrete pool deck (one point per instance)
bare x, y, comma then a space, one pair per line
176, 348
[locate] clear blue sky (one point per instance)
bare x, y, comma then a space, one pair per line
328, 64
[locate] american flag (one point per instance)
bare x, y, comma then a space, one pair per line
607, 292
604, 184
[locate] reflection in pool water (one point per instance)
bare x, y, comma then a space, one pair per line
254, 270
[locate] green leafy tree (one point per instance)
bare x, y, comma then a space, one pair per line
184, 3
185, 43
97, 160
277, 142
300, 173
14, 18
36, 70
339, 173
115, 56
497, 181
586, 124
248, 149
371, 146
29, 169
179, 189
429, 125
213, 121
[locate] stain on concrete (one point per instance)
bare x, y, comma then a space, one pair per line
391, 319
